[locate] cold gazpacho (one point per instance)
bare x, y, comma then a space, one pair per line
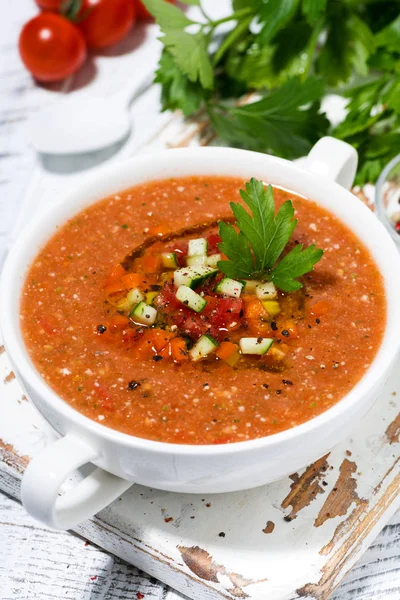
203, 310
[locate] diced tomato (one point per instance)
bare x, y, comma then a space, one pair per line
181, 250
210, 307
195, 326
167, 298
229, 313
213, 239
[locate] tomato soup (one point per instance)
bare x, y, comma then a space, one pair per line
126, 315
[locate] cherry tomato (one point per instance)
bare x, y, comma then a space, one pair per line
49, 4
107, 21
141, 11
51, 47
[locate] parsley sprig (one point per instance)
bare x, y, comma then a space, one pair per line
255, 243
291, 53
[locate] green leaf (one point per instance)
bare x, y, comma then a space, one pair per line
190, 2
295, 47
262, 236
286, 121
375, 152
360, 108
235, 246
177, 91
389, 36
313, 9
267, 235
233, 36
166, 15
191, 56
287, 99
296, 263
391, 95
348, 45
240, 4
274, 15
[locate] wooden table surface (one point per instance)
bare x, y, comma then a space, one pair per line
28, 569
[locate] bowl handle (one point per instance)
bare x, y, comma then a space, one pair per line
333, 159
45, 474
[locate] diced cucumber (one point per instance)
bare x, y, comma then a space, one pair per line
193, 276
203, 347
190, 298
230, 287
143, 314
197, 259
250, 285
213, 260
197, 246
169, 260
272, 307
133, 297
266, 291
253, 345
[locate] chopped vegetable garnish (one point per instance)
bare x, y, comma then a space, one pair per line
253, 345
254, 250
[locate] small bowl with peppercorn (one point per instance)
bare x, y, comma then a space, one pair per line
387, 198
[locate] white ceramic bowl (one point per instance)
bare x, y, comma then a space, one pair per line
123, 459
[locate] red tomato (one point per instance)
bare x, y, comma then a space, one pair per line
51, 47
167, 298
141, 11
49, 4
213, 240
229, 313
107, 21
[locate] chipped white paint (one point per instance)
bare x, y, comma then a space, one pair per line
43, 564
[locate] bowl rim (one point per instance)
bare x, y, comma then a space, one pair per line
380, 208
17, 351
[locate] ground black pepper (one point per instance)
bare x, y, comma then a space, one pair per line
132, 385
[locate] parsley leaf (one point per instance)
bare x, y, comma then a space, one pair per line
166, 15
268, 234
274, 15
276, 47
190, 53
188, 49
177, 90
312, 9
297, 262
262, 236
235, 246
286, 121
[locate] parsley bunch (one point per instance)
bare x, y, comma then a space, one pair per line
254, 245
290, 53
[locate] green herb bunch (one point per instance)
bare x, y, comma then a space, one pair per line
290, 54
